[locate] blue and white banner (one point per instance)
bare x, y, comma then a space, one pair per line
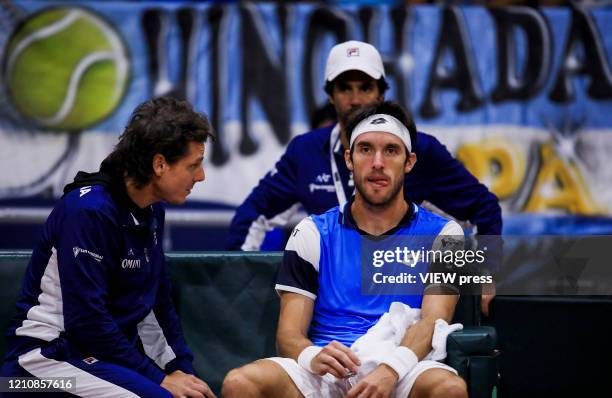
522, 96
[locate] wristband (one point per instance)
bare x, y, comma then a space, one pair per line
306, 356
402, 360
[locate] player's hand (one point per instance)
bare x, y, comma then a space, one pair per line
488, 294
380, 384
335, 359
183, 385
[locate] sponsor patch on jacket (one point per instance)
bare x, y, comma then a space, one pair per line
322, 187
77, 250
129, 263
90, 360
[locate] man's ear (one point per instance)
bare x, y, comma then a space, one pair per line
348, 160
410, 162
159, 164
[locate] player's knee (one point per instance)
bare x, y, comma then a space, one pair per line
452, 387
239, 383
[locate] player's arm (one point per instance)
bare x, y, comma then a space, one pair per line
293, 322
274, 194
438, 300
435, 306
297, 283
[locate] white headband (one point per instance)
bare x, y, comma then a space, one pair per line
383, 123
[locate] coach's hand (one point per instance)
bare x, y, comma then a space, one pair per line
380, 384
183, 385
335, 359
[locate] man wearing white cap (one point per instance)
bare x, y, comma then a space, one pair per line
312, 173
324, 308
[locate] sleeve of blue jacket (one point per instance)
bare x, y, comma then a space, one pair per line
168, 320
448, 185
85, 288
274, 194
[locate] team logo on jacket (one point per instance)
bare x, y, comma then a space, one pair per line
323, 177
84, 190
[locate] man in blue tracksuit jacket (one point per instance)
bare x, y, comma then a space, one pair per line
95, 302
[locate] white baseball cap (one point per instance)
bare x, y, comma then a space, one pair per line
354, 55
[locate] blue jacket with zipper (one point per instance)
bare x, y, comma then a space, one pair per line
97, 285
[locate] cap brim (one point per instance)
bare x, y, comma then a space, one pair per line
374, 74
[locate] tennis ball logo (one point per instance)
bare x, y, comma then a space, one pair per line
66, 68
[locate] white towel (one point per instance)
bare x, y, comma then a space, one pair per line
382, 338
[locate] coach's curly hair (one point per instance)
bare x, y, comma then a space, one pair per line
387, 108
162, 125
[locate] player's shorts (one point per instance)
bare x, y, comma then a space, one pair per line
93, 378
328, 386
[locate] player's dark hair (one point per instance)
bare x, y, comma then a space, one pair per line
388, 108
162, 125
